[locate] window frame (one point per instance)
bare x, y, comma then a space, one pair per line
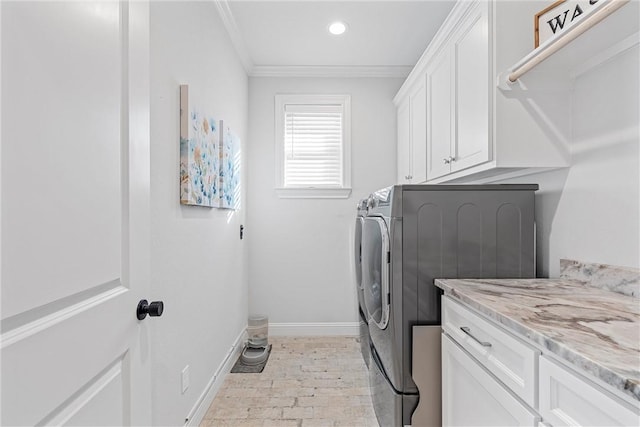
343, 191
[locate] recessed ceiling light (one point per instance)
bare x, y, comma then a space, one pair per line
337, 28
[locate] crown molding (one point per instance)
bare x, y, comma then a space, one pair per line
330, 71
451, 24
229, 22
237, 40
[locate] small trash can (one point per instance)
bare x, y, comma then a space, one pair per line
258, 330
257, 349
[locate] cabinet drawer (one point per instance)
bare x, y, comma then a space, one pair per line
472, 397
568, 400
510, 360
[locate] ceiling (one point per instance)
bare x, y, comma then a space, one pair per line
291, 36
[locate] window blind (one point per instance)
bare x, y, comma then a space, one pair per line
313, 146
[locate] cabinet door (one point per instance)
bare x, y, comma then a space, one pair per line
418, 150
471, 49
404, 143
439, 114
567, 400
473, 397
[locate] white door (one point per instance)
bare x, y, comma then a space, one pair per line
75, 213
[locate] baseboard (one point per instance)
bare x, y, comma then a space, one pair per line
196, 415
314, 329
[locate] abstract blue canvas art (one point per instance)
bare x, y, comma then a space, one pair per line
229, 168
199, 154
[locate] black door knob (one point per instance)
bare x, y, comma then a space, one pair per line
154, 309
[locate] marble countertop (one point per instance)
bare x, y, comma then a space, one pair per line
595, 330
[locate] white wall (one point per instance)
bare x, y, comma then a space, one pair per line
300, 249
198, 262
591, 211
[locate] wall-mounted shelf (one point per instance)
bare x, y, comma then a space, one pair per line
610, 26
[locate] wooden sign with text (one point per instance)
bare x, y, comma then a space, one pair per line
557, 17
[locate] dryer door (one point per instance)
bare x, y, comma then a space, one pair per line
357, 242
375, 270
358, 263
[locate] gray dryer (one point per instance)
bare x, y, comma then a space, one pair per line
413, 234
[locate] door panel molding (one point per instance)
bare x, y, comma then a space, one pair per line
55, 308
88, 394
24, 325
50, 366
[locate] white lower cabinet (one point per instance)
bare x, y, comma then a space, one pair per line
568, 400
491, 377
471, 396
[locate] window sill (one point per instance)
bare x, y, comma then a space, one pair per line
313, 193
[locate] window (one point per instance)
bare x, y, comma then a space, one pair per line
313, 156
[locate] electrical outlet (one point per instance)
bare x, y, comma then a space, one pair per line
185, 379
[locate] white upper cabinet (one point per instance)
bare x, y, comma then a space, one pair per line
412, 134
472, 84
458, 116
404, 142
439, 114
419, 134
474, 129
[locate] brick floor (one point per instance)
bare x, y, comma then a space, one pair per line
308, 382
